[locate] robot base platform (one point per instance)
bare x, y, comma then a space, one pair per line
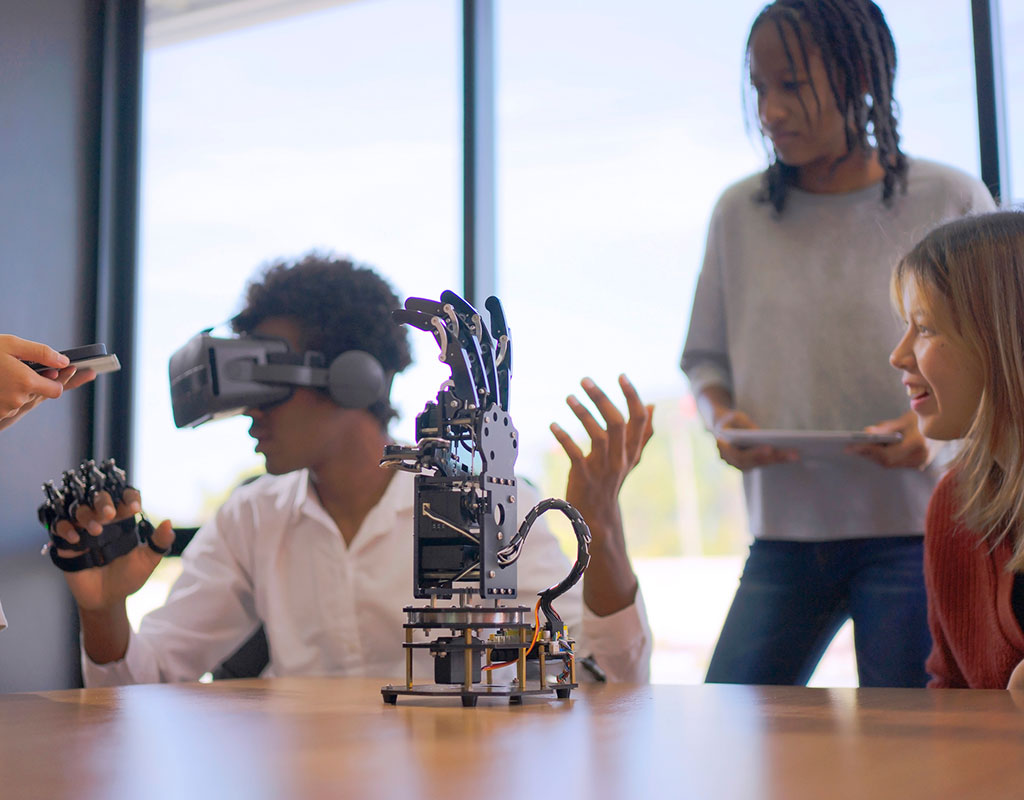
509, 642
513, 694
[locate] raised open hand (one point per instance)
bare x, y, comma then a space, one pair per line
593, 488
615, 448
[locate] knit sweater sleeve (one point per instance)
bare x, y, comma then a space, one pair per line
705, 357
939, 524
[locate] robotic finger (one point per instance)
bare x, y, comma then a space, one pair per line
503, 358
479, 345
452, 352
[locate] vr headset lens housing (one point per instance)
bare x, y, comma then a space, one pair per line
213, 377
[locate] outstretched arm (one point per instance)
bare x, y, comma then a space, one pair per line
609, 584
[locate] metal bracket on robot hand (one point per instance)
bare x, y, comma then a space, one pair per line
82, 486
427, 455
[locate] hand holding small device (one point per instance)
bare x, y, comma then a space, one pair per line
31, 372
89, 356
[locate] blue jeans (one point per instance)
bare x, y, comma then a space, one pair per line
794, 596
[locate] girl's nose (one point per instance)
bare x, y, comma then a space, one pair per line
903, 354
769, 110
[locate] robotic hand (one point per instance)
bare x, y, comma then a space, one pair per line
465, 453
466, 505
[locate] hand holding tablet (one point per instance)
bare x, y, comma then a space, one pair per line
730, 421
817, 441
912, 451
894, 443
742, 444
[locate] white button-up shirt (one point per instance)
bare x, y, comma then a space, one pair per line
272, 555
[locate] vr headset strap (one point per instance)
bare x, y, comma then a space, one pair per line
288, 374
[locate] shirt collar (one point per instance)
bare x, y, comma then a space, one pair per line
397, 498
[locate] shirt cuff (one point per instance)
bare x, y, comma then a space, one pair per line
130, 669
621, 643
702, 376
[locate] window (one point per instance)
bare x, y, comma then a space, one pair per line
337, 130
618, 127
935, 83
1012, 12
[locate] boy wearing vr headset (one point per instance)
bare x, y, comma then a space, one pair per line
319, 550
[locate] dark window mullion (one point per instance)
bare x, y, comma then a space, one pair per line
478, 202
991, 96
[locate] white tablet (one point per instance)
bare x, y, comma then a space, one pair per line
99, 364
804, 440
87, 356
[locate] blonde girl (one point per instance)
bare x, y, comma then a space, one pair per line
961, 293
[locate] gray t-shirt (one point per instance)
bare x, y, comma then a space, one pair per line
792, 315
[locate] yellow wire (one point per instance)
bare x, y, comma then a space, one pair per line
536, 635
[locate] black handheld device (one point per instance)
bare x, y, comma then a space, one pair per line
87, 356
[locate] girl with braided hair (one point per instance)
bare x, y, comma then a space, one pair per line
791, 329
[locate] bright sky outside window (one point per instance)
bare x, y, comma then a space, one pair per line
336, 130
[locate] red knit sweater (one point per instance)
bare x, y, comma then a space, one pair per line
976, 638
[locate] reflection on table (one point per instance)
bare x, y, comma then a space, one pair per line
296, 738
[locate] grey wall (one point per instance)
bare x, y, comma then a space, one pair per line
50, 57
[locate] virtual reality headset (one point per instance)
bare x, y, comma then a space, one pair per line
214, 377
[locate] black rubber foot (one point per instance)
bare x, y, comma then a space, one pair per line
515, 700
468, 701
563, 693
391, 699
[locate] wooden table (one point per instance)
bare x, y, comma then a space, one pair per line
298, 738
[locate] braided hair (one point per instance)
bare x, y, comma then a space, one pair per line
859, 54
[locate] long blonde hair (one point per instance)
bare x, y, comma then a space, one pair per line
976, 265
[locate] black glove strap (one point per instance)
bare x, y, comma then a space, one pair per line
146, 530
116, 540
